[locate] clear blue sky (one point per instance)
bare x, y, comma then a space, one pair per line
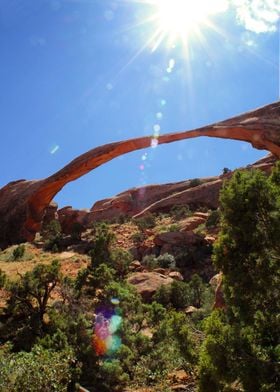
75, 74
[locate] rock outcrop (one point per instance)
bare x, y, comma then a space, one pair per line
23, 203
147, 283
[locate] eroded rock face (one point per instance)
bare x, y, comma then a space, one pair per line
147, 283
23, 203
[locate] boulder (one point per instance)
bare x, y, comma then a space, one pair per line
176, 275
191, 223
147, 283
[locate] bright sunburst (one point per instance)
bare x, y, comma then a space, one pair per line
178, 19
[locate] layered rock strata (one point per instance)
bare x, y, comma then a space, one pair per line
23, 202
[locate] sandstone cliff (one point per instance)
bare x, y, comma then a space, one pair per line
23, 203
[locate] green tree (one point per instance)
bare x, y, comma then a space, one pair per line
53, 235
37, 371
18, 252
242, 342
101, 251
28, 302
197, 289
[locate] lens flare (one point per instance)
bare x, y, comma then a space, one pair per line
105, 340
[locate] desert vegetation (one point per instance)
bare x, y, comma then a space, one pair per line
69, 317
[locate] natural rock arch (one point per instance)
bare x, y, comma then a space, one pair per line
23, 203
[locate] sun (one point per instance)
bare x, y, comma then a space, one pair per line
180, 19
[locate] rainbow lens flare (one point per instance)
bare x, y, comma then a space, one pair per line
105, 340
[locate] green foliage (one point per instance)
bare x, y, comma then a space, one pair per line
3, 279
28, 303
156, 312
180, 295
76, 231
243, 343
213, 219
112, 376
197, 289
180, 211
163, 295
195, 182
37, 371
53, 235
121, 260
18, 252
104, 238
166, 260
226, 170
150, 262
146, 222
138, 238
163, 261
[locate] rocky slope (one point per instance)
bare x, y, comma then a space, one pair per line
23, 203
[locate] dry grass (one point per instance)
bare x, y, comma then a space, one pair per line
71, 262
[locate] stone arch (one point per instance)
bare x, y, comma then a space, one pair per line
22, 203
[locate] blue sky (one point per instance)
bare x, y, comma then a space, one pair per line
76, 74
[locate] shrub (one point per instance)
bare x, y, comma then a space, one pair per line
180, 295
121, 260
150, 261
76, 232
180, 211
213, 219
138, 238
3, 278
37, 371
195, 182
112, 376
104, 238
166, 261
53, 234
163, 295
18, 252
226, 170
146, 222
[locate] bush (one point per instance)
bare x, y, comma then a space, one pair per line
53, 234
76, 232
112, 376
18, 252
146, 222
138, 238
180, 295
195, 182
121, 260
166, 261
37, 371
150, 262
3, 278
163, 295
180, 211
213, 219
104, 238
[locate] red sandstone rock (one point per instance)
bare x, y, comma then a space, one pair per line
216, 282
176, 275
177, 238
191, 223
147, 283
23, 203
68, 216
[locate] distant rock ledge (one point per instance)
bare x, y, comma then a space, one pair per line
23, 203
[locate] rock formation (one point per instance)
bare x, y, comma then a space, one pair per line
23, 203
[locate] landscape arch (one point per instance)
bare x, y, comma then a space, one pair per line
23, 202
